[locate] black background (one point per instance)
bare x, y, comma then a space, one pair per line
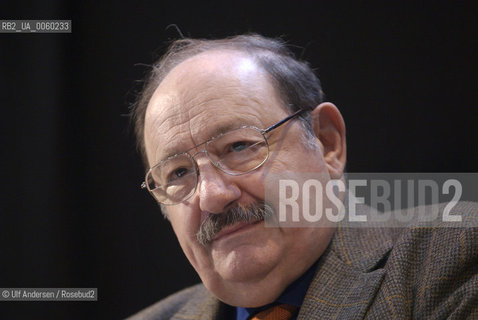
404, 76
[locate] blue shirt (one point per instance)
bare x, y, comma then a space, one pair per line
293, 295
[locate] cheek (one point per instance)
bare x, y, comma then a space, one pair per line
307, 243
185, 222
299, 160
185, 225
252, 186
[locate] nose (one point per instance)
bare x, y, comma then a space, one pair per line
216, 188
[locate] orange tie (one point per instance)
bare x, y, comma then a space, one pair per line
277, 312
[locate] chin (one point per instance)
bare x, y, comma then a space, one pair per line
247, 276
243, 264
241, 291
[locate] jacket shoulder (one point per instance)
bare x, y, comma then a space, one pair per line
432, 270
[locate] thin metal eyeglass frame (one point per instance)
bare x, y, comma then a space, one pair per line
262, 131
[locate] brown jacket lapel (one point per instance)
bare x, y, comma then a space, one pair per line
347, 276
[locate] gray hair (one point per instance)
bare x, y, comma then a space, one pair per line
295, 82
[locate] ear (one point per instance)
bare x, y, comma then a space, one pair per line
329, 128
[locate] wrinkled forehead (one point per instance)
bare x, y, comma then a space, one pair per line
204, 95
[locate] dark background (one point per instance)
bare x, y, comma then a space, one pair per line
72, 214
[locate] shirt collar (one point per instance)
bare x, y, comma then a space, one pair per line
293, 295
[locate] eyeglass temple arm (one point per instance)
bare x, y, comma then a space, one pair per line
283, 121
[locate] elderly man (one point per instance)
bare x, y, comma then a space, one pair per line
215, 119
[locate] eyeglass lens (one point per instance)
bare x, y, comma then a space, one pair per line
235, 152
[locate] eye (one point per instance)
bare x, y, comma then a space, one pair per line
239, 146
178, 173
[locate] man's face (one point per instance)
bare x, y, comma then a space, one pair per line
245, 265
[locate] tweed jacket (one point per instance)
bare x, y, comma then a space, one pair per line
415, 272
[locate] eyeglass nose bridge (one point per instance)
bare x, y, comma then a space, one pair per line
202, 151
208, 156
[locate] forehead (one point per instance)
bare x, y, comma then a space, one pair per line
205, 95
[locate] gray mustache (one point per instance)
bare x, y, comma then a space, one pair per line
214, 223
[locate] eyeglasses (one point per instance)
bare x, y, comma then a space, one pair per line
235, 152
